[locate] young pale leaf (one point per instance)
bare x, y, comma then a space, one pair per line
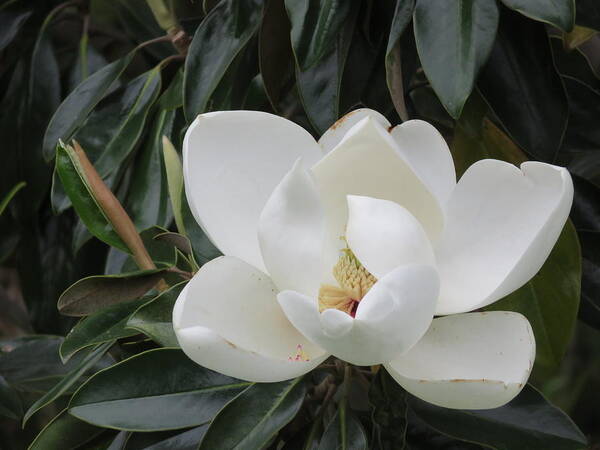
255, 415
159, 389
64, 431
73, 111
68, 380
344, 432
91, 294
527, 422
220, 37
560, 13
174, 181
154, 318
105, 325
454, 40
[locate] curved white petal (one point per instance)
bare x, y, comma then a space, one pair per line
501, 224
334, 135
390, 319
383, 235
366, 162
227, 319
232, 161
426, 151
291, 233
469, 361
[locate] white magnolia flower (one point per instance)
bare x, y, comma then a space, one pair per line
350, 247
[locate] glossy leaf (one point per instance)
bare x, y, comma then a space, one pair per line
106, 325
560, 13
522, 89
252, 418
154, 318
454, 39
91, 294
344, 432
167, 440
174, 173
155, 390
527, 422
73, 111
64, 432
68, 380
220, 37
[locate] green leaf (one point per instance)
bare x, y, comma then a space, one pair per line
91, 294
252, 418
179, 241
222, 34
64, 432
174, 172
527, 422
588, 14
154, 318
77, 187
454, 40
344, 432
522, 88
167, 440
68, 380
550, 300
159, 389
560, 13
10, 24
389, 411
8, 197
10, 402
315, 27
73, 111
106, 325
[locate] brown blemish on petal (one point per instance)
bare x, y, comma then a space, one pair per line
231, 344
341, 120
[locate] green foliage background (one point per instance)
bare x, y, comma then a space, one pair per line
507, 79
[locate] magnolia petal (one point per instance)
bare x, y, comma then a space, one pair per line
367, 163
291, 233
334, 135
469, 361
501, 224
232, 161
425, 150
390, 319
227, 319
383, 235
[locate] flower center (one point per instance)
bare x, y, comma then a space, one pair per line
354, 283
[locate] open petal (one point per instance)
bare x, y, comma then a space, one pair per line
390, 319
366, 162
232, 161
501, 224
426, 151
334, 135
291, 233
227, 319
383, 235
469, 361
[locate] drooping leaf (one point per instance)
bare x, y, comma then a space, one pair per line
73, 111
255, 415
65, 432
560, 13
91, 294
220, 37
158, 389
106, 325
527, 422
154, 318
344, 432
523, 90
454, 39
68, 380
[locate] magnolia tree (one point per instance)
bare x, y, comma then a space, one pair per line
300, 225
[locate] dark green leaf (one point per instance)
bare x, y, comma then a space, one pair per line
172, 97
204, 250
520, 85
177, 240
454, 39
154, 318
167, 440
560, 13
88, 62
9, 196
106, 325
156, 390
64, 432
91, 294
527, 422
73, 111
68, 380
344, 432
219, 38
588, 14
255, 415
10, 402
389, 411
162, 253
10, 24
76, 185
